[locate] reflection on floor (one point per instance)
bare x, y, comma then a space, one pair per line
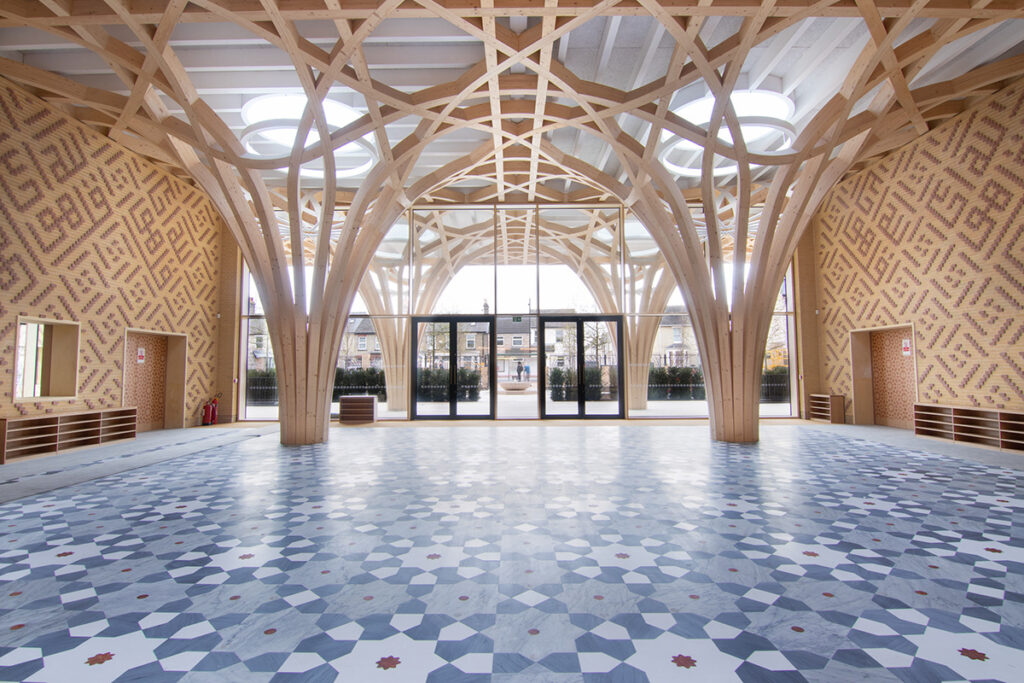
513, 406
530, 553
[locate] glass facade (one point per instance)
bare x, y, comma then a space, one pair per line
259, 394
664, 370
517, 264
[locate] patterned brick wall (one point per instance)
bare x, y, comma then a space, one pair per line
145, 383
892, 378
93, 233
933, 234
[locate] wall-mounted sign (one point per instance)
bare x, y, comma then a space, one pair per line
141, 357
906, 347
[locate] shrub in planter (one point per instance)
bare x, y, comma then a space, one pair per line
775, 384
556, 384
592, 377
680, 383
562, 384
432, 384
469, 384
657, 384
675, 384
376, 383
261, 387
359, 381
696, 382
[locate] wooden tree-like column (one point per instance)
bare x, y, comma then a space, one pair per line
656, 286
517, 94
650, 285
393, 333
731, 311
731, 335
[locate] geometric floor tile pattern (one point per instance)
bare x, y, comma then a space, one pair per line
510, 553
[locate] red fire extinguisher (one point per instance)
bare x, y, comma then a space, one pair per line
210, 410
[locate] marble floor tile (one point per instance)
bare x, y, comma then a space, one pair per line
599, 553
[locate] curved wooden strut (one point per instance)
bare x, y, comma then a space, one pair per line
518, 94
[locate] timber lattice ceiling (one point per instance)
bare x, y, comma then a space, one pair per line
514, 101
635, 102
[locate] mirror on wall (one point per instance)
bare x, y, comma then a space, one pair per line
46, 361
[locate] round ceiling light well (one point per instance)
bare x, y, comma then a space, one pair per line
764, 118
275, 119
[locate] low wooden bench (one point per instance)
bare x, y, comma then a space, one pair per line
353, 410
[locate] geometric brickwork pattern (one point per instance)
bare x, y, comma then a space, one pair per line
475, 554
933, 234
90, 232
892, 378
145, 383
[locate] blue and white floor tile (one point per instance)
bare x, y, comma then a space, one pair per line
509, 553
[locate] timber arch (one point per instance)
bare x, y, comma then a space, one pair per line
520, 107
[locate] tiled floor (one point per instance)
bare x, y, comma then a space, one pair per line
516, 405
525, 553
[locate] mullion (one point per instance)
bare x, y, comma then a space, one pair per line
581, 397
453, 355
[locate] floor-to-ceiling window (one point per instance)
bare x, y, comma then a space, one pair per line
373, 357
259, 375
778, 382
515, 264
372, 352
665, 375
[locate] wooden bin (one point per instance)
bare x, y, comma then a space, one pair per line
354, 410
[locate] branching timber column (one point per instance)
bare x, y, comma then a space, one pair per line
728, 295
731, 301
655, 285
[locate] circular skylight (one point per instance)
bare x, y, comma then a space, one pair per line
764, 118
272, 120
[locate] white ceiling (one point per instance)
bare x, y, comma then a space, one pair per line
228, 65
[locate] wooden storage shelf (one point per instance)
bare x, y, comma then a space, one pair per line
934, 421
28, 436
1011, 430
77, 429
996, 428
357, 409
33, 447
827, 407
117, 424
63, 431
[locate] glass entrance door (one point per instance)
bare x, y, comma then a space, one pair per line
560, 374
453, 368
473, 363
580, 370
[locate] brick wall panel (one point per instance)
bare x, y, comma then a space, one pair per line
933, 235
92, 233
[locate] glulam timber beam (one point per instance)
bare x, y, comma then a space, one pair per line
513, 101
97, 13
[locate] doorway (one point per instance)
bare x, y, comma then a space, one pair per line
884, 376
154, 378
452, 367
581, 374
